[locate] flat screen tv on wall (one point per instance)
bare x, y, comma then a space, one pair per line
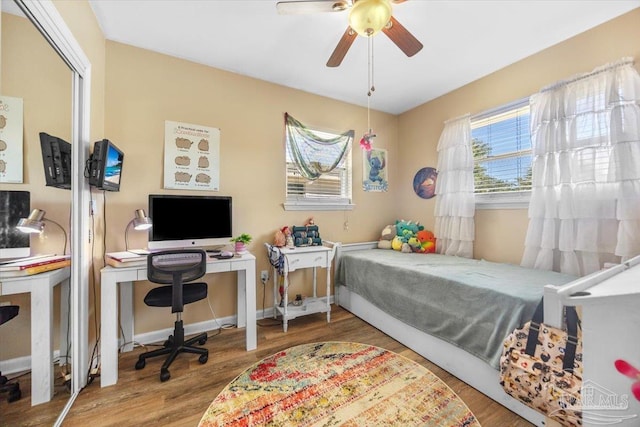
106, 166
56, 158
189, 221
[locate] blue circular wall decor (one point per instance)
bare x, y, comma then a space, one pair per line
424, 182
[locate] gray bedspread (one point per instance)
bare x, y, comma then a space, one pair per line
472, 304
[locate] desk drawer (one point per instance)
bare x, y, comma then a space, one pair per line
305, 260
218, 266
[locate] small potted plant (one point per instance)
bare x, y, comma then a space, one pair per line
241, 242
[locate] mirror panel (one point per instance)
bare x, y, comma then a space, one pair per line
42, 51
34, 72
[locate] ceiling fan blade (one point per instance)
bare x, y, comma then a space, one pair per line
402, 37
341, 49
311, 6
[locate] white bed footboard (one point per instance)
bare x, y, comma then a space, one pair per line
610, 319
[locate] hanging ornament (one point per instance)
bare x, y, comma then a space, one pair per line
366, 140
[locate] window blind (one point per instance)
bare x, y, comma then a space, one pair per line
501, 145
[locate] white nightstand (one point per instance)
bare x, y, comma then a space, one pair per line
294, 259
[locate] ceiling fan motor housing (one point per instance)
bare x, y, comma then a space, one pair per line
368, 17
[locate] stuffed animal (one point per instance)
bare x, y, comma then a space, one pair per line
407, 229
427, 242
387, 235
396, 243
414, 244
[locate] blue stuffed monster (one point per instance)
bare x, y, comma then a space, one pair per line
407, 229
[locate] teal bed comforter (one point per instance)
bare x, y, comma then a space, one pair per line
473, 304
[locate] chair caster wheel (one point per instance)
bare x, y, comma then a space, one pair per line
14, 395
164, 375
202, 341
203, 358
140, 364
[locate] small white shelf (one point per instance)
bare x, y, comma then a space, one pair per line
297, 258
309, 306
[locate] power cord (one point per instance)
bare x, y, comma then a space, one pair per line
264, 281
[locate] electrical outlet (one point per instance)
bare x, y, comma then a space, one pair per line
264, 275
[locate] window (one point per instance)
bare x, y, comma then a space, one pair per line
501, 146
318, 168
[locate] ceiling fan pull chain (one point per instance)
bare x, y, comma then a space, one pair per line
373, 88
370, 65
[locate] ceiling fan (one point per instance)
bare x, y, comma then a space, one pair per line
366, 18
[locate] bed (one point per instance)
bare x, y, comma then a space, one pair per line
453, 311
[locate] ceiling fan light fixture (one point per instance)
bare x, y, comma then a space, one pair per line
339, 6
368, 17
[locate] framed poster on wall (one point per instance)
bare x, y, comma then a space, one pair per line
374, 170
11, 139
191, 156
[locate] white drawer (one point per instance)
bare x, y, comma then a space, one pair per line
305, 260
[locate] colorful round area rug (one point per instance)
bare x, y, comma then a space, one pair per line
337, 384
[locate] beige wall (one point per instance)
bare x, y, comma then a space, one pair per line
144, 89
500, 233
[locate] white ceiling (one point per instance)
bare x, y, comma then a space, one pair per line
463, 40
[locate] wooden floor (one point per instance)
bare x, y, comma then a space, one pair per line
139, 398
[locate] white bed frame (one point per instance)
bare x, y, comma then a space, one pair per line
468, 368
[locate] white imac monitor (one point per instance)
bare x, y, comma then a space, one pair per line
189, 221
14, 205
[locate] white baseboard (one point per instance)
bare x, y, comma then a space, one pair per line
20, 364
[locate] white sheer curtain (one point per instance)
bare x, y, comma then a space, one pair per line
585, 198
455, 204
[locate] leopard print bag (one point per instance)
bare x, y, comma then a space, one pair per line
541, 366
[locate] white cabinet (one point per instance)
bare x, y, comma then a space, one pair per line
287, 260
609, 301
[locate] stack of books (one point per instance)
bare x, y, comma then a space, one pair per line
126, 258
33, 265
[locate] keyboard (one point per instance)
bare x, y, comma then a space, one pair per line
177, 259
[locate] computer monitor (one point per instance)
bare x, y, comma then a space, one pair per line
14, 205
189, 221
106, 166
56, 158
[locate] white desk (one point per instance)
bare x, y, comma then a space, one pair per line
112, 277
296, 258
40, 286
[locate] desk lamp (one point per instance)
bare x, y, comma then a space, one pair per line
139, 222
35, 223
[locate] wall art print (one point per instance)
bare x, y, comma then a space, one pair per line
191, 156
374, 170
424, 182
11, 139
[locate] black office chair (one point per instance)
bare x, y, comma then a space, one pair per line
8, 312
176, 267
